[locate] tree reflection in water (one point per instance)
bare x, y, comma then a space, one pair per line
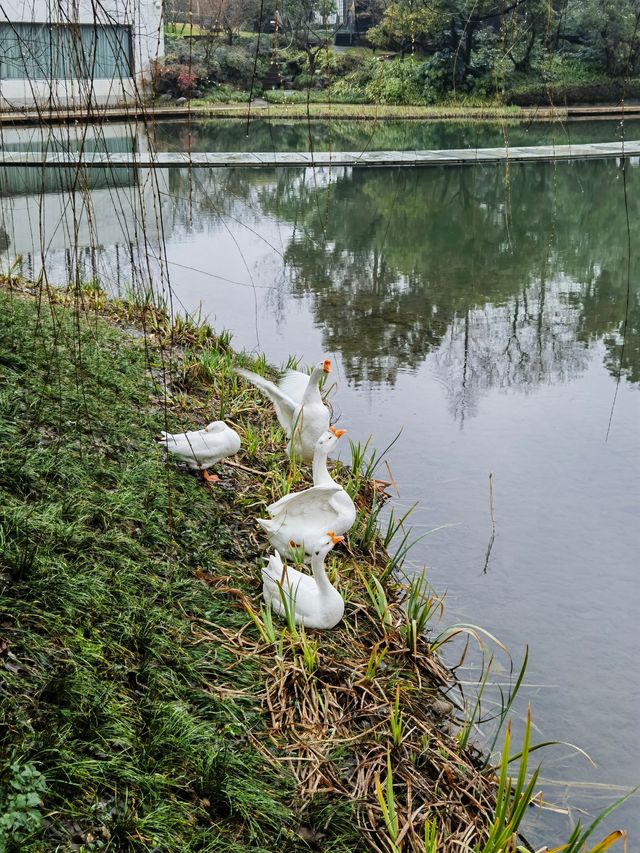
507, 276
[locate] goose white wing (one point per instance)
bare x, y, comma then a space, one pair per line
182, 439
285, 407
294, 384
310, 503
202, 445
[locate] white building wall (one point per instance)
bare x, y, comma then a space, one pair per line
143, 16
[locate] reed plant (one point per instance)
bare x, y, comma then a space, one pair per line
364, 462
309, 649
379, 601
431, 838
421, 606
376, 657
512, 798
386, 799
365, 532
395, 720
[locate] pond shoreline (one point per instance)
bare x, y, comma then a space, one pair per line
314, 721
353, 734
315, 111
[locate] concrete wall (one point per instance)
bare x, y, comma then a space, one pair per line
143, 16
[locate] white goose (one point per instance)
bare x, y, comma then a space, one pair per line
303, 518
299, 406
202, 448
315, 602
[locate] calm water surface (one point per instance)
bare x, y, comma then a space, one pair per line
280, 135
483, 311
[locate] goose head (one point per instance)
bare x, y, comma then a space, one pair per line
326, 544
328, 440
321, 370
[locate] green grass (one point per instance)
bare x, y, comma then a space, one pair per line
298, 106
109, 699
139, 655
149, 701
181, 29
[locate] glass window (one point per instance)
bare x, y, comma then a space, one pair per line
64, 51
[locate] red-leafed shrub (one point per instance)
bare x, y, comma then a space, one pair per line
186, 80
177, 79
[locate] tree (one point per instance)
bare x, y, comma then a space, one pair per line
304, 23
611, 28
407, 24
228, 16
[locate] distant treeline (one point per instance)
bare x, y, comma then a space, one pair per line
519, 51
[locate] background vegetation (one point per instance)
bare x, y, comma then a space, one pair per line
411, 51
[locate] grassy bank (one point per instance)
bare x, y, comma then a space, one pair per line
299, 110
317, 110
149, 703
145, 703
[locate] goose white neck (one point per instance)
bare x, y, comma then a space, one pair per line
321, 475
313, 388
319, 573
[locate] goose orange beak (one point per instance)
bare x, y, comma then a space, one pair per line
337, 432
326, 365
335, 539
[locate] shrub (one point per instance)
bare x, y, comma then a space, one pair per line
210, 63
436, 75
543, 94
186, 80
560, 68
396, 82
351, 62
279, 96
224, 94
489, 65
235, 65
177, 79
347, 92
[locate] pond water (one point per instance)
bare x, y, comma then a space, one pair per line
281, 135
490, 313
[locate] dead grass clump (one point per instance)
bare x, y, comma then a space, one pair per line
357, 713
